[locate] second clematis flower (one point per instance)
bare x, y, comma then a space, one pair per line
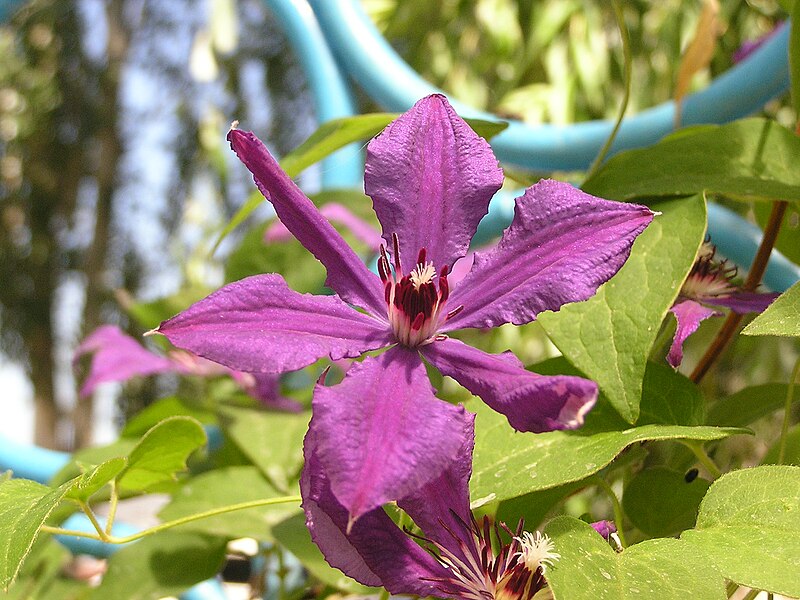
709, 284
381, 433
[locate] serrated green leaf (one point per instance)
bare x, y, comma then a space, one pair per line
508, 464
750, 159
161, 565
273, 441
292, 534
161, 453
24, 508
749, 528
782, 317
96, 479
662, 569
223, 487
748, 405
660, 502
609, 336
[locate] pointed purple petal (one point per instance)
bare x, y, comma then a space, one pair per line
381, 432
688, 313
562, 245
443, 502
430, 178
531, 402
118, 357
743, 302
348, 276
335, 213
259, 325
375, 551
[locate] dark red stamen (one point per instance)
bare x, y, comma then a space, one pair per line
398, 267
421, 256
454, 312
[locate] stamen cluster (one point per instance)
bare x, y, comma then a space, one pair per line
515, 572
709, 278
414, 304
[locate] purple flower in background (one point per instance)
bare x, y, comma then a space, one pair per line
381, 433
455, 557
604, 528
710, 282
117, 357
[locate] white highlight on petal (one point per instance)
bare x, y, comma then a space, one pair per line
537, 551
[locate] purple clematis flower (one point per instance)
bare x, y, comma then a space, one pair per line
709, 283
118, 357
456, 557
382, 433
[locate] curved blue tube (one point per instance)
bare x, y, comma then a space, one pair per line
391, 82
331, 94
30, 462
8, 7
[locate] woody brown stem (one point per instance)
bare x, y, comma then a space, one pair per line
731, 324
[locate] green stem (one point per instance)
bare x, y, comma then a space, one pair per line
618, 514
787, 412
95, 523
626, 52
112, 539
112, 507
704, 458
384, 594
751, 595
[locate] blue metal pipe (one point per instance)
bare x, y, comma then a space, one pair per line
330, 91
391, 82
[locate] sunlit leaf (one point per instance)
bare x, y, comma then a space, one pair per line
749, 528
782, 317
662, 569
751, 159
609, 336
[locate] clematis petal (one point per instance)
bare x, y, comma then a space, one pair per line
561, 246
375, 551
381, 432
118, 357
689, 314
430, 178
531, 402
259, 325
335, 213
442, 504
348, 276
743, 302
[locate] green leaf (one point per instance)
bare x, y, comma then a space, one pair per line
96, 479
749, 528
161, 453
509, 464
26, 505
292, 534
161, 565
794, 56
792, 455
223, 487
24, 508
660, 502
609, 336
272, 440
663, 569
751, 159
782, 317
161, 409
41, 577
748, 405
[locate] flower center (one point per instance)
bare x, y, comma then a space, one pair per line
709, 278
414, 304
488, 568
